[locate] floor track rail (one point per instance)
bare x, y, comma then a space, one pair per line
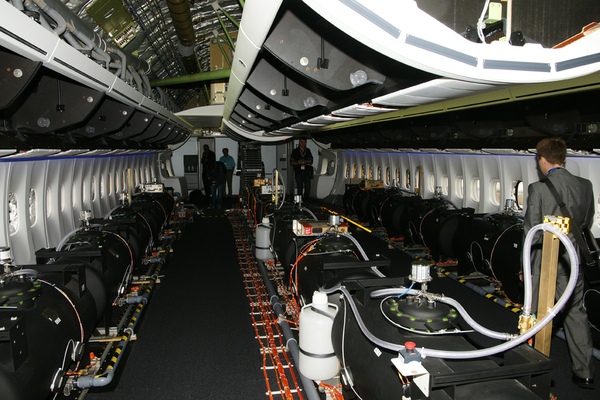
280, 376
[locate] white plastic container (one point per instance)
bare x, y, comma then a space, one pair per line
262, 250
317, 358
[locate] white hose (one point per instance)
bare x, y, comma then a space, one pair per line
64, 239
450, 301
480, 22
31, 272
310, 212
362, 253
527, 261
574, 260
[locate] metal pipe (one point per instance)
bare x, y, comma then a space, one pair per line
31, 6
482, 291
123, 58
18, 4
55, 15
199, 77
82, 27
161, 92
137, 78
118, 67
72, 41
89, 44
106, 378
229, 39
147, 87
184, 27
215, 5
561, 335
233, 21
218, 39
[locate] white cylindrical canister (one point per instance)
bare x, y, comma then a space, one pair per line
262, 249
317, 358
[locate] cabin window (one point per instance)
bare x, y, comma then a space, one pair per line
431, 183
108, 184
387, 176
418, 179
354, 170
445, 184
347, 170
362, 172
475, 188
378, 173
124, 181
13, 214
519, 193
93, 189
407, 178
48, 202
32, 208
140, 176
397, 177
495, 192
102, 186
116, 182
459, 187
370, 172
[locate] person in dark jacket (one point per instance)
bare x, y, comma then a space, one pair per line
302, 160
208, 161
577, 194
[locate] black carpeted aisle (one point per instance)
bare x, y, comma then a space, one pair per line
196, 340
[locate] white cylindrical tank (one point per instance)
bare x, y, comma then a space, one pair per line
317, 358
262, 249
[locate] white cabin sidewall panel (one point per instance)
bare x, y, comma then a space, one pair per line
21, 242
77, 192
37, 189
401, 162
455, 171
441, 173
4, 230
66, 182
102, 195
325, 176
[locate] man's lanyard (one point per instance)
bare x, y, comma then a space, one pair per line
548, 173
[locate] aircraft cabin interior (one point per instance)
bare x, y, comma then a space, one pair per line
299, 199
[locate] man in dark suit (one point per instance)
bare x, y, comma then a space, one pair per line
208, 162
577, 194
301, 160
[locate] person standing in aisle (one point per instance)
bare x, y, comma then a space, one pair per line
208, 161
302, 160
230, 165
577, 195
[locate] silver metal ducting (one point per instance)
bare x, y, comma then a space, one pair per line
182, 20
